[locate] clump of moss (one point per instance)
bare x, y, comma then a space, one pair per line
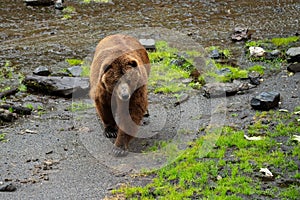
232, 74
284, 41
168, 68
74, 61
257, 68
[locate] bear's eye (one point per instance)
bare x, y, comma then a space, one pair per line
133, 63
106, 68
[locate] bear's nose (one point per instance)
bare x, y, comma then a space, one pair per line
125, 96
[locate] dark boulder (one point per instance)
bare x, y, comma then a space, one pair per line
214, 54
218, 89
38, 2
240, 34
8, 188
254, 78
42, 71
265, 101
149, 44
58, 86
295, 67
293, 54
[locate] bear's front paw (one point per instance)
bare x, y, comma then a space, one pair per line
110, 132
119, 151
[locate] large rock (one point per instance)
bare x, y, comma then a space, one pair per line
38, 2
149, 44
256, 51
293, 54
294, 67
240, 34
265, 101
42, 71
218, 89
58, 86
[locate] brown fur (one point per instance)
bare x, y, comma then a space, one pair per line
118, 80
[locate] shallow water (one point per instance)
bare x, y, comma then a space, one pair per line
34, 36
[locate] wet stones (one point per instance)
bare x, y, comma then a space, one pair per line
294, 67
58, 4
256, 52
6, 116
38, 2
149, 44
240, 34
214, 54
217, 89
8, 188
265, 101
58, 86
293, 54
42, 71
254, 77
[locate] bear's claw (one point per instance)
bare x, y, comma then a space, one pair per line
110, 132
119, 152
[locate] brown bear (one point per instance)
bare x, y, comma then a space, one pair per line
118, 81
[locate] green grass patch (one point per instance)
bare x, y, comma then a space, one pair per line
168, 68
232, 74
284, 41
80, 106
257, 68
3, 137
229, 170
74, 62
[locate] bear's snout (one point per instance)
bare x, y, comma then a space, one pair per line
123, 91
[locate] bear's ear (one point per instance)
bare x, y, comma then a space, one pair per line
106, 68
133, 63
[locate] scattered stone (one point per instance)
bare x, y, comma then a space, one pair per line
276, 52
38, 2
59, 5
293, 54
283, 110
149, 44
28, 131
42, 71
8, 92
75, 71
266, 171
224, 72
180, 61
181, 99
296, 138
254, 77
17, 109
256, 51
214, 54
265, 101
240, 34
225, 89
8, 188
58, 86
294, 67
254, 138
7, 116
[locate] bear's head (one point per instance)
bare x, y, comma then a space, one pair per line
122, 77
